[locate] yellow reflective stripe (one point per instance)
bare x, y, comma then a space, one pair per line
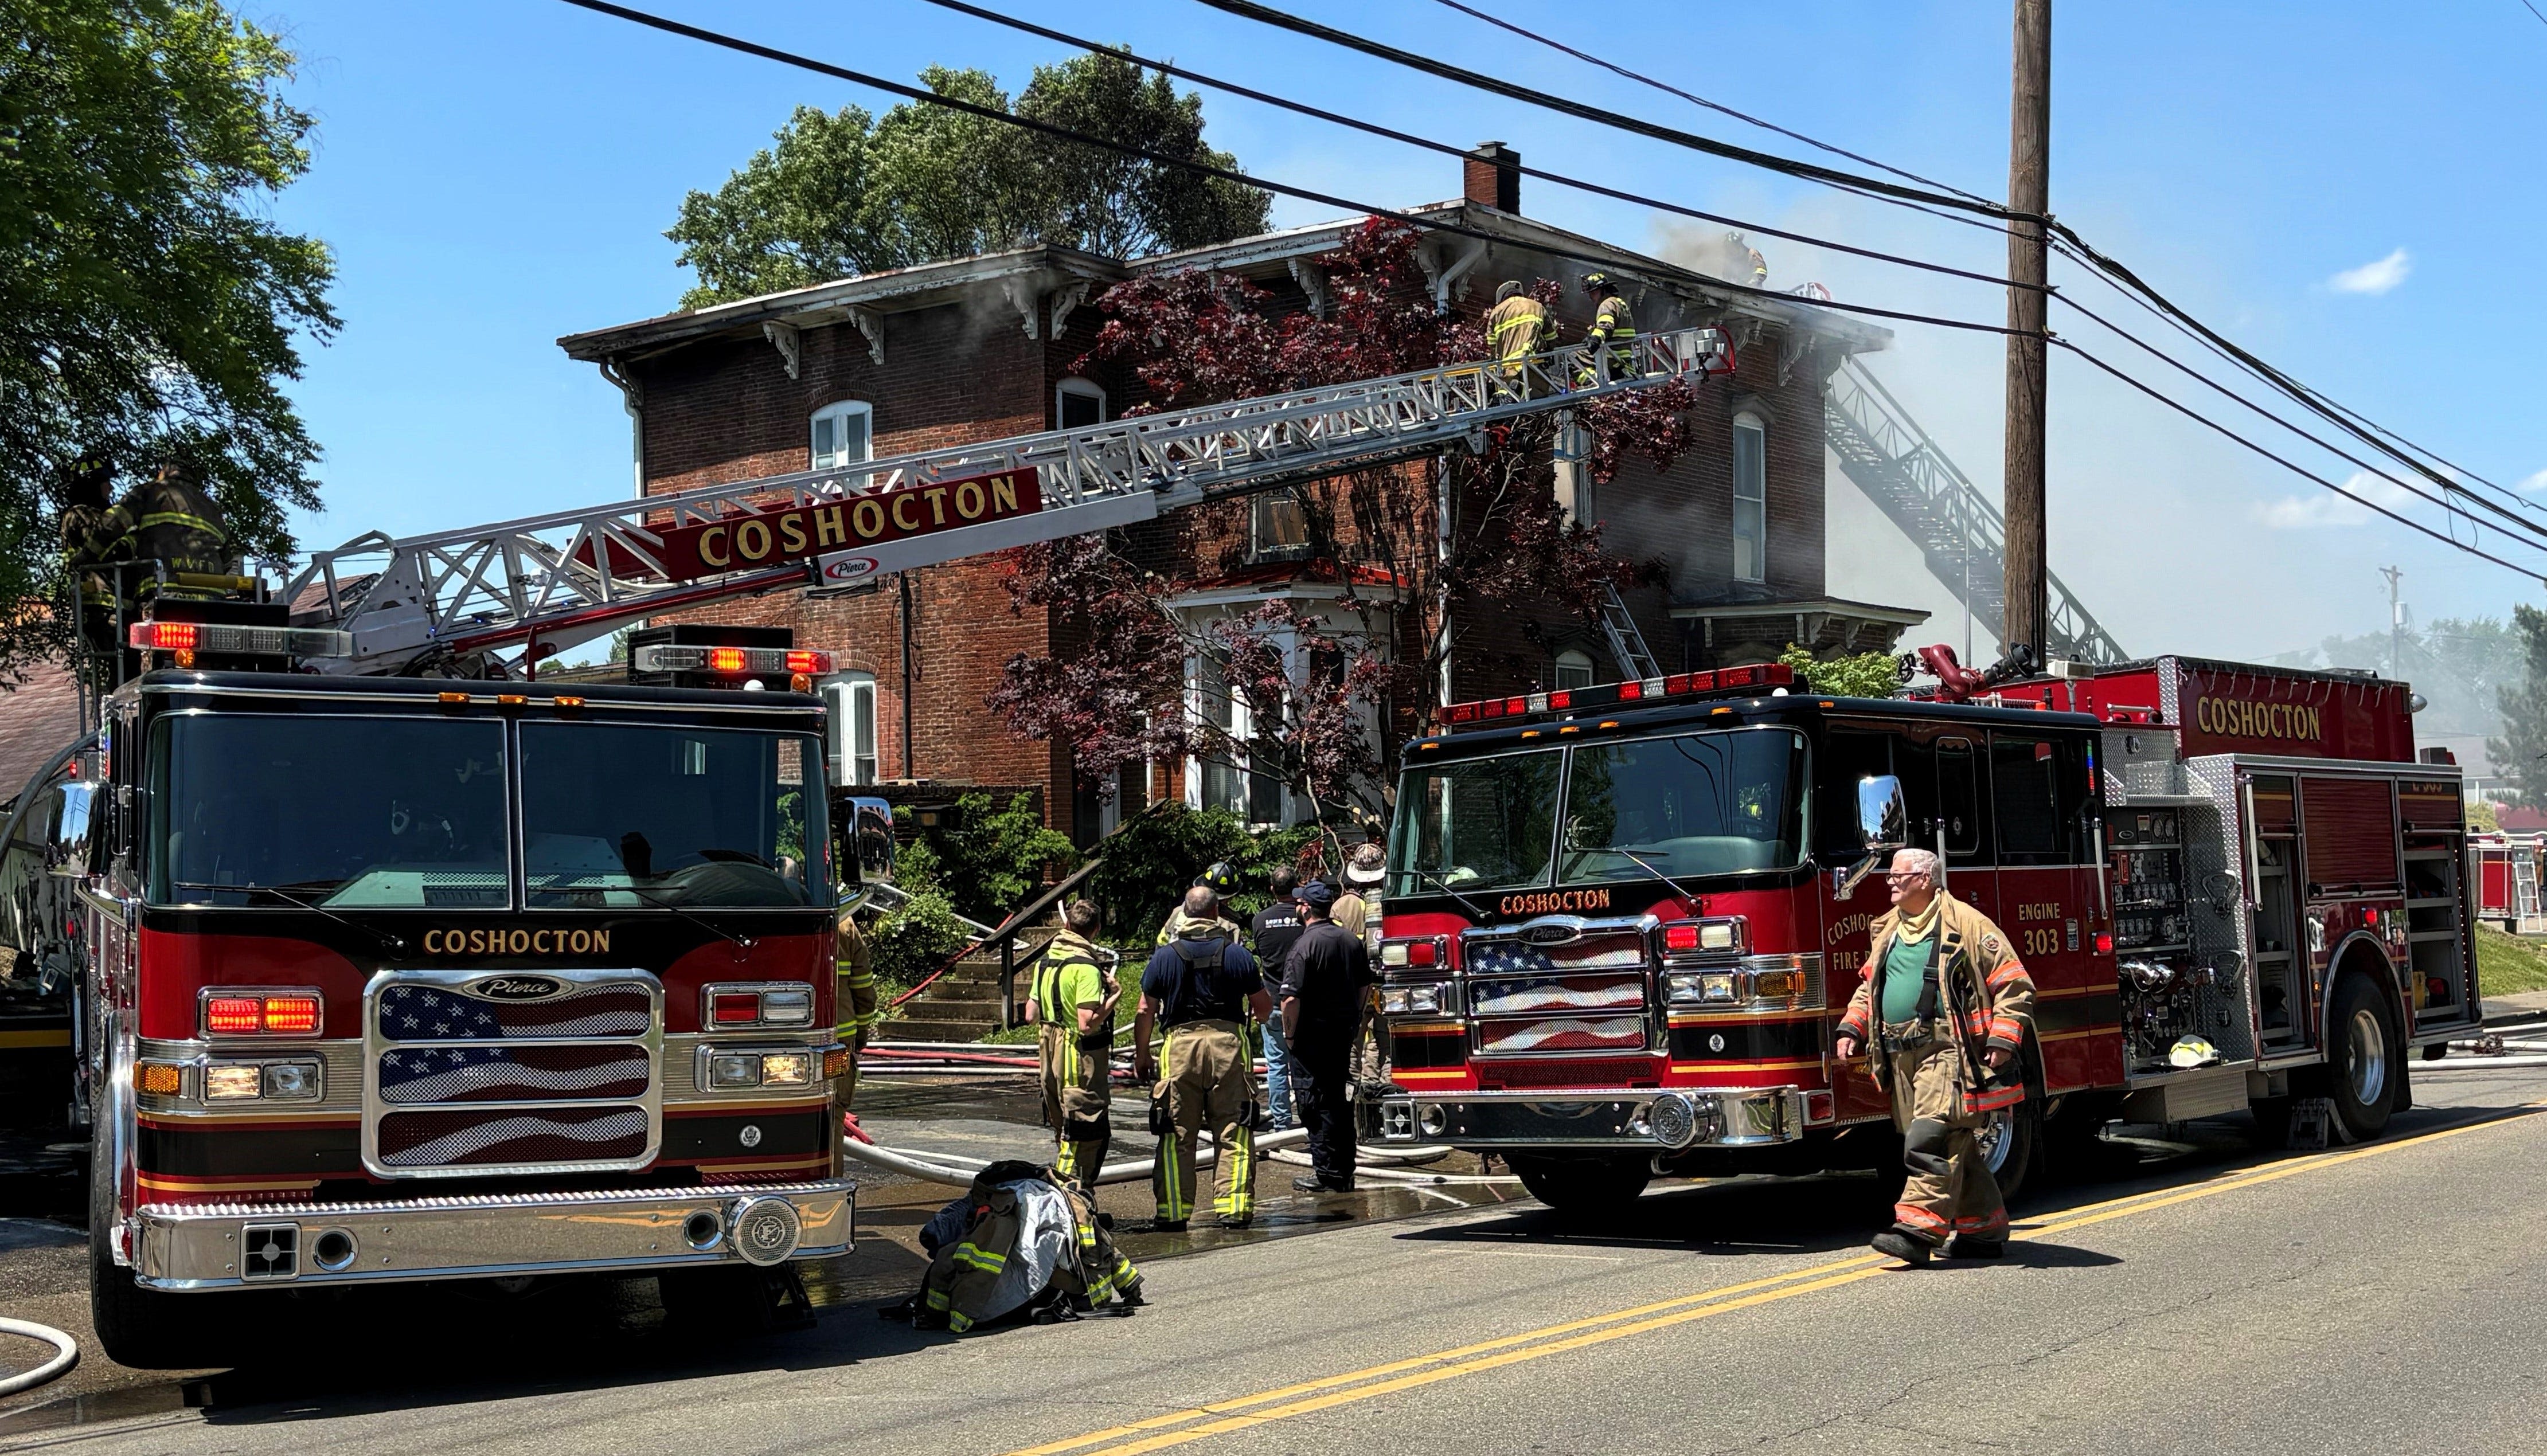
177, 518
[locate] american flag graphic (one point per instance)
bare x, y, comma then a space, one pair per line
1572, 1034
1578, 979
531, 1074
491, 1138
1592, 953
424, 1013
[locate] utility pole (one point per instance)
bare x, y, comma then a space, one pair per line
2029, 193
2396, 625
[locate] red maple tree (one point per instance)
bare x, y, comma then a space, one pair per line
1320, 695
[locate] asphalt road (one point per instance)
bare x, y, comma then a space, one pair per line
2192, 1296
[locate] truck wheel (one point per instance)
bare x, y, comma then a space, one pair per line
138, 1327
1584, 1184
2364, 1057
2010, 1143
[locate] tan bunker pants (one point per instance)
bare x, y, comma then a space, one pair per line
1950, 1189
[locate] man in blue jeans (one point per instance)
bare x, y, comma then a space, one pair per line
1275, 927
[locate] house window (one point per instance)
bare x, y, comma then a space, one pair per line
852, 746
1078, 402
1278, 529
1750, 498
1573, 669
1226, 783
843, 434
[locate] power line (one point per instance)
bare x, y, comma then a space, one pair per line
2293, 466
1029, 123
1809, 171
2535, 10
914, 93
1714, 106
1446, 148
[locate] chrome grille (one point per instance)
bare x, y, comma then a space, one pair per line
473, 1073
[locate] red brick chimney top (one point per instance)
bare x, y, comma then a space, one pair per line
1491, 177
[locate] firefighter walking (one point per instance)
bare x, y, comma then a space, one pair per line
1071, 1009
1200, 988
1944, 1007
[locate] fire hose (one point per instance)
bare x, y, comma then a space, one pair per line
65, 1355
1393, 1167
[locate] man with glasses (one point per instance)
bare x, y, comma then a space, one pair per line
1944, 1007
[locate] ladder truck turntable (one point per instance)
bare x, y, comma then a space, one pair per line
1622, 922
381, 961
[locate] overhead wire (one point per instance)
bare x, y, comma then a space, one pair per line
1427, 144
917, 94
2061, 238
1807, 171
1428, 225
1696, 100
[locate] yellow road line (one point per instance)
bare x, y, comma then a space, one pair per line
1242, 1412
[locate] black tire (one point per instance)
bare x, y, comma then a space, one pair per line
2015, 1152
1586, 1184
2365, 1058
137, 1326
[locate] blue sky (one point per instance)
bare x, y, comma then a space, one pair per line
493, 175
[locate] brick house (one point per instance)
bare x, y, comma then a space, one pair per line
979, 348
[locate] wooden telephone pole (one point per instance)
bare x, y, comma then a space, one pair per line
2029, 191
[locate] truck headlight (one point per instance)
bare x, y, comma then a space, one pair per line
233, 1083
729, 1071
786, 1069
1700, 988
1426, 1000
292, 1082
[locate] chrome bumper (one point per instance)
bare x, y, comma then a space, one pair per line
230, 1245
1702, 1117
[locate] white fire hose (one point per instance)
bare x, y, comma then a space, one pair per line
958, 1170
65, 1355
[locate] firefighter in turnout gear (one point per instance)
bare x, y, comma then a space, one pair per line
1945, 1007
857, 1009
1516, 327
171, 520
1222, 879
1202, 988
84, 509
1613, 324
1071, 1009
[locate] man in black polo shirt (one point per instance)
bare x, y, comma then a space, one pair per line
1323, 980
1276, 926
1201, 987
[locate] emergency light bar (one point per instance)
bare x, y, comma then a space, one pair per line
228, 640
1635, 692
740, 661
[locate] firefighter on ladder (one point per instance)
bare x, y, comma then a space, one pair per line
1614, 327
171, 520
1944, 1007
84, 510
1071, 1009
1515, 329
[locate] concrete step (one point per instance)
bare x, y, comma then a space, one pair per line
949, 989
934, 1031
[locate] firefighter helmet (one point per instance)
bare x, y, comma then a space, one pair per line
1598, 283
1507, 288
1220, 879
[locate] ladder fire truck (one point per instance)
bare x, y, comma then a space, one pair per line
1622, 922
384, 960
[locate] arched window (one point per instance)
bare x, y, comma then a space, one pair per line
1750, 497
843, 434
1078, 402
1573, 669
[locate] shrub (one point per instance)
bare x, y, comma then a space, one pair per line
1149, 863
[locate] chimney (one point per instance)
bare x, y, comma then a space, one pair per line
1491, 175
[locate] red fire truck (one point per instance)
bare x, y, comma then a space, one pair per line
401, 978
1621, 920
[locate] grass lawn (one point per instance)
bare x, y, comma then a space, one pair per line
2506, 964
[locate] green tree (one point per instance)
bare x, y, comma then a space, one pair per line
148, 306
845, 192
2459, 665
2520, 754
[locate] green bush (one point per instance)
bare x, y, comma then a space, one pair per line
989, 860
914, 939
1865, 675
1151, 862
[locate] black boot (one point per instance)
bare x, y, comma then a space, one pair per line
1965, 1247
1900, 1244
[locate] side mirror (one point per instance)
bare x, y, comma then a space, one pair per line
67, 855
1882, 814
871, 841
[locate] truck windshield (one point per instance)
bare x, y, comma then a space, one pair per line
630, 814
251, 808
1487, 824
1701, 804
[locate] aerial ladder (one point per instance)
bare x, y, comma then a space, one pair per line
493, 600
